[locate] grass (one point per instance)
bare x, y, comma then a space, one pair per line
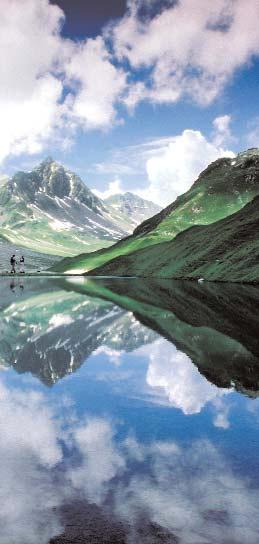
220, 191
227, 250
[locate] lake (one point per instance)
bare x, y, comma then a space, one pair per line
129, 412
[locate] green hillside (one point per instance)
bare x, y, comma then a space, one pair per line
227, 250
220, 190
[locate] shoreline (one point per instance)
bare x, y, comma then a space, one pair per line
149, 278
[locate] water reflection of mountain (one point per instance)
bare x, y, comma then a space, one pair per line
216, 325
52, 326
50, 332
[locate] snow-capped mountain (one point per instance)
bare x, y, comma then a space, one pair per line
133, 207
51, 210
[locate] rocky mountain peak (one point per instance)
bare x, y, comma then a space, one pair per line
51, 179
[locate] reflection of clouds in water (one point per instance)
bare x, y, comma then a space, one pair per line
29, 450
191, 492
101, 462
113, 355
221, 418
178, 377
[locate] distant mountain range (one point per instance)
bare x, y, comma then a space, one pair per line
51, 210
157, 247
133, 207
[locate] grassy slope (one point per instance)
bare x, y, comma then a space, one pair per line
40, 237
19, 227
227, 250
220, 190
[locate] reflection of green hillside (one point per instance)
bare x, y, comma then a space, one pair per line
215, 325
51, 332
54, 325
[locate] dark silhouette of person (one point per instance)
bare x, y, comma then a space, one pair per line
12, 286
13, 263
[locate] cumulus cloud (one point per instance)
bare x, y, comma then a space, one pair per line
51, 86
113, 355
140, 480
29, 95
101, 461
213, 503
29, 451
179, 379
189, 52
100, 84
176, 164
114, 188
222, 131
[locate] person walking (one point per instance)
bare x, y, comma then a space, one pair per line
13, 263
22, 271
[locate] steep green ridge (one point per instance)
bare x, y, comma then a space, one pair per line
51, 210
227, 250
220, 190
215, 325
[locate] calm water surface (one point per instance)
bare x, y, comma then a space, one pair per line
129, 412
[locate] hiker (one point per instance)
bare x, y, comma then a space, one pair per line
22, 271
13, 263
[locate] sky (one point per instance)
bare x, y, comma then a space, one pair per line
136, 95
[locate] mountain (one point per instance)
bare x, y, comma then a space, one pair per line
61, 323
223, 188
59, 328
51, 210
227, 250
134, 208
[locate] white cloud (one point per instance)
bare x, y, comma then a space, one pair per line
114, 188
101, 460
29, 94
175, 374
176, 165
190, 52
222, 132
36, 66
100, 84
29, 451
139, 479
51, 86
113, 355
189, 491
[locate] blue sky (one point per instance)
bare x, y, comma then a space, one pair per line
134, 96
